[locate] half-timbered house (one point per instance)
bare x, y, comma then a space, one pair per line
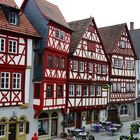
16, 45
50, 65
135, 35
88, 75
122, 55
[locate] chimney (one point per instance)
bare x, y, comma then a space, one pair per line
131, 25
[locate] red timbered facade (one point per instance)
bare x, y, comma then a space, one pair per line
88, 75
50, 70
121, 52
16, 44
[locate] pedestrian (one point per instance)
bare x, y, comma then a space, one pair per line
35, 137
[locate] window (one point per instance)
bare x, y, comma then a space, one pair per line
92, 90
98, 69
21, 127
13, 18
81, 67
75, 65
71, 118
62, 34
129, 64
2, 45
37, 91
122, 44
50, 61
16, 81
43, 124
60, 90
124, 110
5, 80
62, 63
90, 67
49, 92
78, 90
71, 90
85, 90
103, 69
98, 90
56, 61
12, 46
129, 87
89, 116
57, 33
118, 63
2, 130
116, 87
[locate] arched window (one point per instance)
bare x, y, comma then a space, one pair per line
3, 127
22, 124
43, 124
124, 110
54, 115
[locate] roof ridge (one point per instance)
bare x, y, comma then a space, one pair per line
113, 25
80, 20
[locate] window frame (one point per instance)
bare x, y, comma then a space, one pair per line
90, 67
13, 18
13, 47
86, 91
81, 66
93, 89
48, 90
104, 69
129, 64
3, 44
123, 109
61, 89
98, 90
5, 80
117, 87
62, 63
99, 69
71, 90
118, 63
75, 65
56, 61
62, 35
47, 122
18, 81
3, 130
78, 90
21, 128
49, 61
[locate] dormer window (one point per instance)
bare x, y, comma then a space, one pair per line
13, 18
122, 44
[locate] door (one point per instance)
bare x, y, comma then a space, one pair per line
12, 131
78, 120
112, 113
54, 127
96, 115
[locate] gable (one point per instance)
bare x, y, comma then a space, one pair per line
90, 45
124, 45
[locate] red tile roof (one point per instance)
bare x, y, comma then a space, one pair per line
110, 35
24, 27
9, 3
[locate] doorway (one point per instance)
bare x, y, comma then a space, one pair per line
78, 120
54, 121
12, 131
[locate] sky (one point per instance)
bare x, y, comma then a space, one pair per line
105, 12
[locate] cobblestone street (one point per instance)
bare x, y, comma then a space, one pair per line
125, 130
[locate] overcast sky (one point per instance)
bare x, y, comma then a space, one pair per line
105, 12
